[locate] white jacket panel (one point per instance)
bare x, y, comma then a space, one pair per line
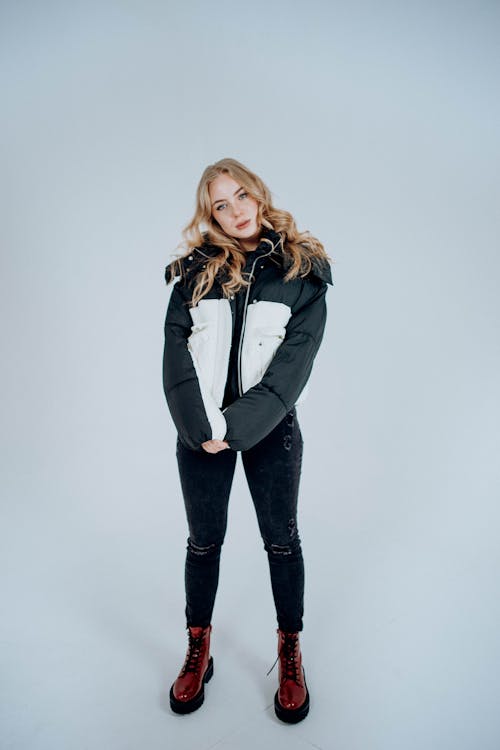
265, 330
209, 345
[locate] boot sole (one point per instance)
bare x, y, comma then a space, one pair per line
292, 715
186, 707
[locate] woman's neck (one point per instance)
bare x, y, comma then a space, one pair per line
248, 245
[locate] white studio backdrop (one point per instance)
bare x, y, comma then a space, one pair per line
376, 125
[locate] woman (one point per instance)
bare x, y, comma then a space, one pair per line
243, 326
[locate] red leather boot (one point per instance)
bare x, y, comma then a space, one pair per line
188, 691
291, 702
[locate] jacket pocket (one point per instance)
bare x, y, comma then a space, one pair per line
264, 332
268, 341
210, 343
199, 344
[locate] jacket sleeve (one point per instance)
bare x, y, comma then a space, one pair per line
193, 409
252, 416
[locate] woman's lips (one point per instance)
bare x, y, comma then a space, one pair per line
242, 226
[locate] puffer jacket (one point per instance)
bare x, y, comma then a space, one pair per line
282, 327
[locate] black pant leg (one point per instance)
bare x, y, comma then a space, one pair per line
206, 480
273, 469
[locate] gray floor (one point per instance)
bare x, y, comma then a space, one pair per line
400, 641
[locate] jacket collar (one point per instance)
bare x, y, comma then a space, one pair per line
269, 239
270, 244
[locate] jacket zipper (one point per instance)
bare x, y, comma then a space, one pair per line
245, 306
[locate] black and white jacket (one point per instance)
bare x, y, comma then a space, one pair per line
282, 328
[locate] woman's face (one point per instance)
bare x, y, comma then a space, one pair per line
233, 209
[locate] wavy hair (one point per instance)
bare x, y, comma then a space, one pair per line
300, 247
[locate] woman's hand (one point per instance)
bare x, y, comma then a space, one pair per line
214, 446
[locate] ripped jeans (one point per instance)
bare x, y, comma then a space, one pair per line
272, 468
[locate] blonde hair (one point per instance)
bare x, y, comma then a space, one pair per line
300, 247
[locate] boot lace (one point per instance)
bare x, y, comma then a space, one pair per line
193, 656
290, 667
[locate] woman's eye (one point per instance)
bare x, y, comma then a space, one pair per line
223, 205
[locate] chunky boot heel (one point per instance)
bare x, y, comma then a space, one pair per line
291, 702
188, 691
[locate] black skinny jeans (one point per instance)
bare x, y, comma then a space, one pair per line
272, 468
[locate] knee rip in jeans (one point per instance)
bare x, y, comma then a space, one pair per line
201, 551
281, 550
